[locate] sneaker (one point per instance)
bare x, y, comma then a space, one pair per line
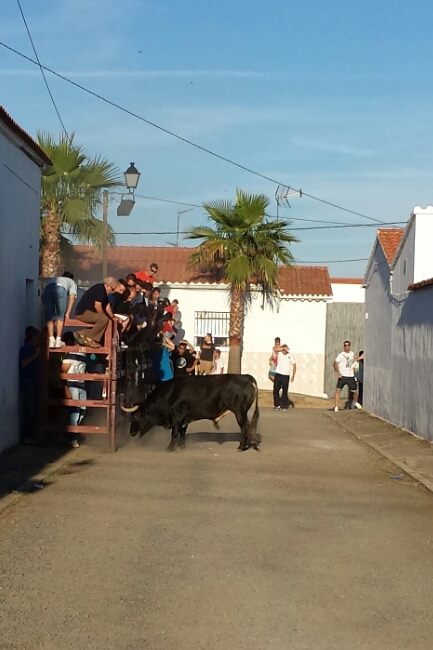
75, 444
277, 408
284, 409
336, 409
59, 343
51, 342
358, 405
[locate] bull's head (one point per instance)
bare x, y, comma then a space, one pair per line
140, 423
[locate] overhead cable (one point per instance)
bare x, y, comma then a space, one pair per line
41, 68
183, 139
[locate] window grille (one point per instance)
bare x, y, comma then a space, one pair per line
212, 322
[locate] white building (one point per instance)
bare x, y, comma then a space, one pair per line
399, 325
298, 317
21, 161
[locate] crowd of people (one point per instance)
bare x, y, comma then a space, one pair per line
140, 315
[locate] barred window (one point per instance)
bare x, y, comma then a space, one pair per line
212, 322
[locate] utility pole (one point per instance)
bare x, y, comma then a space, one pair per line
179, 212
105, 235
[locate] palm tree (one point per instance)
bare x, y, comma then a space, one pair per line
249, 247
71, 193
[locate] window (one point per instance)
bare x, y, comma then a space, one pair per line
212, 322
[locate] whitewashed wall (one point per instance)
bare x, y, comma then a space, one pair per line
19, 254
345, 292
299, 323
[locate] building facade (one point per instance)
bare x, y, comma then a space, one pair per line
21, 161
398, 381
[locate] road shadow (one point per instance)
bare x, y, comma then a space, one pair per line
212, 436
19, 464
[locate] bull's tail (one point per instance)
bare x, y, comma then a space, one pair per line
254, 437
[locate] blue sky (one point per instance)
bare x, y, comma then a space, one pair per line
332, 97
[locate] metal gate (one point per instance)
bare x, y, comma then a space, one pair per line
344, 320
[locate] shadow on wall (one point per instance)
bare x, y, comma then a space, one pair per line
417, 309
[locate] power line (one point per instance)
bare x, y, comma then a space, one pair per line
187, 232
359, 259
183, 139
41, 68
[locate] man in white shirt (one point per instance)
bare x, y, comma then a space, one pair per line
343, 366
284, 372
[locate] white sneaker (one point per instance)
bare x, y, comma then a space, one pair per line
51, 342
358, 405
59, 343
336, 409
75, 444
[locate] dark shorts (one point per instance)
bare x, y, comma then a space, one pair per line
347, 381
55, 300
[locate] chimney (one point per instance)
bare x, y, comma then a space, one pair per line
423, 258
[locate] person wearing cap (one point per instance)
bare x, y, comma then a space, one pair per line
285, 372
94, 307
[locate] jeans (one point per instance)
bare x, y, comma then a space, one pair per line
77, 413
281, 383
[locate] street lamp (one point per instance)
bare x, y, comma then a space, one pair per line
179, 213
127, 202
132, 176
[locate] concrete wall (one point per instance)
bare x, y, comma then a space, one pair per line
398, 381
423, 260
19, 260
299, 323
378, 330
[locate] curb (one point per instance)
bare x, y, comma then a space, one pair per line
11, 499
410, 471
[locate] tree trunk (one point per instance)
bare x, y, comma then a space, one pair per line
235, 331
50, 260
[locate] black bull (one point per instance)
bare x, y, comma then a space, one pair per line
176, 403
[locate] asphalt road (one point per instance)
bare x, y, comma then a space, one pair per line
308, 544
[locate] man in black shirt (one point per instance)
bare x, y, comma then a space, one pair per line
93, 307
184, 362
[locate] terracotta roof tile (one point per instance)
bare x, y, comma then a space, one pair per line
173, 267
347, 280
389, 239
305, 281
25, 137
421, 285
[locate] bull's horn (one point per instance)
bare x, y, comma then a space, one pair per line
131, 409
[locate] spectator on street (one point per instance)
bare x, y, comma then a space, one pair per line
218, 363
184, 362
206, 355
343, 366
273, 359
285, 371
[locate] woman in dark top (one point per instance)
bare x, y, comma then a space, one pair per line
207, 350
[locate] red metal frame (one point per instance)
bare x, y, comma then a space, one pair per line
110, 351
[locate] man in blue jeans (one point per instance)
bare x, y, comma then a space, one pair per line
284, 371
58, 298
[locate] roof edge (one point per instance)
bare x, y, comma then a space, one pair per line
23, 135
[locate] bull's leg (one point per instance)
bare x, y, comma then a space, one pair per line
174, 437
182, 432
244, 425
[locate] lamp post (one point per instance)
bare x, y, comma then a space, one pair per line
132, 176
